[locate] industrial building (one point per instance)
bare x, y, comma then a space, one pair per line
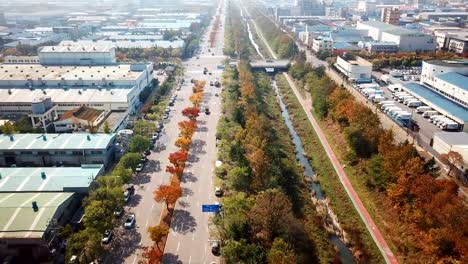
77, 55
49, 179
406, 39
127, 44
444, 142
379, 46
108, 88
354, 68
42, 150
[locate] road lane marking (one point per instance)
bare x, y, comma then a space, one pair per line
134, 260
178, 245
193, 236
190, 260
147, 222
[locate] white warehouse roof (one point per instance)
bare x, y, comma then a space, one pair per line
75, 49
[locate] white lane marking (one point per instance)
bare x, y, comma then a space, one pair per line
147, 222
190, 260
178, 245
134, 260
152, 206
193, 236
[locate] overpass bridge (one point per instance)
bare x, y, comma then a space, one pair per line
270, 66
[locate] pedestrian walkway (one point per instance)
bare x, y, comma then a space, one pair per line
366, 218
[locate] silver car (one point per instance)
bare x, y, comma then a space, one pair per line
129, 221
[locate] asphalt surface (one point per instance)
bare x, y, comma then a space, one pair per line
189, 238
189, 234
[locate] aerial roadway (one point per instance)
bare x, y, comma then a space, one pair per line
189, 239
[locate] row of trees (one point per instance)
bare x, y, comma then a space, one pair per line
23, 125
170, 193
429, 206
262, 213
147, 54
282, 44
214, 31
154, 108
235, 34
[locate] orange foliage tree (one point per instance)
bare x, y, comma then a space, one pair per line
191, 112
151, 255
196, 99
175, 170
183, 143
187, 128
168, 194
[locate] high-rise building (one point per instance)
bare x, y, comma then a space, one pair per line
390, 16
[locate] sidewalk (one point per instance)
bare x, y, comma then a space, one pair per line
366, 218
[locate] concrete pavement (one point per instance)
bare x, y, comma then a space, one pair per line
188, 241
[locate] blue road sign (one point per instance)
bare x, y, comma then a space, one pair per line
210, 208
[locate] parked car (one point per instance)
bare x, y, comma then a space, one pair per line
207, 111
108, 234
129, 221
147, 152
165, 116
131, 189
216, 248
118, 212
139, 167
127, 195
219, 192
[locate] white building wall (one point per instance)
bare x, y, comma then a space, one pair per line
373, 32
77, 58
353, 71
442, 147
417, 42
429, 71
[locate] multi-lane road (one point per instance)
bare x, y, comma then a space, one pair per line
189, 238
188, 241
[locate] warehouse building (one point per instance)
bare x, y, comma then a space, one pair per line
42, 150
444, 142
406, 39
107, 88
354, 68
77, 55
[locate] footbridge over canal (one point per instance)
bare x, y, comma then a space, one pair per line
270, 66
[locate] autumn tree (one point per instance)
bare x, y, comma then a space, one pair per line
178, 158
191, 112
157, 233
151, 255
183, 143
168, 194
187, 128
175, 170
281, 253
452, 159
196, 99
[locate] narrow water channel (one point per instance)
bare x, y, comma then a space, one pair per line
343, 251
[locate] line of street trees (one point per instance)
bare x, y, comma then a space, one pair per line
395, 174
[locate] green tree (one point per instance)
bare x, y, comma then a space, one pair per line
86, 245
97, 215
243, 252
157, 233
281, 253
124, 173
380, 178
106, 127
8, 128
138, 144
130, 160
239, 178
144, 128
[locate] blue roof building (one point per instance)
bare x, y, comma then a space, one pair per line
440, 103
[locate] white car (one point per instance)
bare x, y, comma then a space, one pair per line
108, 234
139, 167
165, 116
129, 221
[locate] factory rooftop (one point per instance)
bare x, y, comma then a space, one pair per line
127, 44
49, 179
391, 29
79, 141
74, 95
16, 72
439, 103
75, 49
456, 79
460, 63
19, 220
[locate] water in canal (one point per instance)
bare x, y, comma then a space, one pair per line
343, 251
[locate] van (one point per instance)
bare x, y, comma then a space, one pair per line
391, 109
422, 109
429, 113
415, 103
386, 102
409, 99
439, 121
401, 99
451, 126
395, 113
433, 118
387, 106
394, 88
404, 116
378, 98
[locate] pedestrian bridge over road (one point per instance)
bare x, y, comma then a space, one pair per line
270, 66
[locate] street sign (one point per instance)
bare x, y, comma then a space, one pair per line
211, 208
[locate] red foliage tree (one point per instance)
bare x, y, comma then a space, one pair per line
191, 112
175, 170
151, 255
178, 158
